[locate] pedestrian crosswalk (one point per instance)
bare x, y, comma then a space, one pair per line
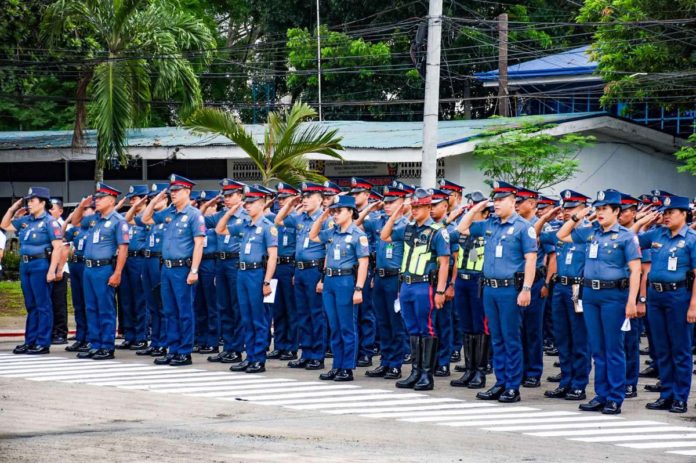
350, 399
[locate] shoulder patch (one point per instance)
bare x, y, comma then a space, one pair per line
124, 227
445, 235
274, 231
363, 240
532, 233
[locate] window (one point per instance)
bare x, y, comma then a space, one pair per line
203, 169
53, 171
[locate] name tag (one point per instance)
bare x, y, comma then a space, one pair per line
672, 263
337, 253
499, 251
95, 237
205, 241
285, 240
594, 249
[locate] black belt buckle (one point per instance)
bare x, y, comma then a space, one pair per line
465, 276
595, 284
329, 272
146, 253
381, 272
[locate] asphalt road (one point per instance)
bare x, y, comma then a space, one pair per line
55, 408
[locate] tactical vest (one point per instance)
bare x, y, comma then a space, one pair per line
417, 249
471, 253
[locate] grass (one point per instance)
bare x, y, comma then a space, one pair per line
12, 300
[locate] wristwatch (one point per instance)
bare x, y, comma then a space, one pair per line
575, 218
441, 293
266, 283
526, 288
642, 299
194, 271
358, 288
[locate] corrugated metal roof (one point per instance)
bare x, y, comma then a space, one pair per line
356, 134
568, 63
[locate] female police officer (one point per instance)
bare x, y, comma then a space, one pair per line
347, 248
609, 295
40, 240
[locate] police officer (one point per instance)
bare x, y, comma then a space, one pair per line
40, 249
106, 252
390, 324
59, 290
611, 281
182, 250
424, 271
257, 264
543, 205
467, 301
570, 332
131, 293
227, 270
671, 299
510, 255
152, 274
309, 260
330, 190
284, 314
345, 274
207, 324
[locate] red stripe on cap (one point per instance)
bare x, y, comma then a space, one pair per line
314, 188
574, 198
548, 201
396, 193
504, 190
260, 195
285, 190
362, 185
629, 201
179, 182
527, 194
107, 191
451, 188
232, 187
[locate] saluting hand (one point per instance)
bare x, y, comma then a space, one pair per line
120, 204
21, 212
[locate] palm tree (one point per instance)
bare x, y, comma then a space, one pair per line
137, 52
286, 141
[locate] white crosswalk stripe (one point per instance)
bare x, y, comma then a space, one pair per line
350, 399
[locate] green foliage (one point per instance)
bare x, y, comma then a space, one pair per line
625, 53
286, 141
687, 154
529, 158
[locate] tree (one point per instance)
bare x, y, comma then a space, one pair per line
687, 154
130, 42
530, 159
286, 141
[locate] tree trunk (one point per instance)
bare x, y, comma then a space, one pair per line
78, 138
98, 166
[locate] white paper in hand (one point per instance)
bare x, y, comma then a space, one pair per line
270, 299
626, 325
397, 306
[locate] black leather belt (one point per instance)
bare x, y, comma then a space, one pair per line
568, 281
89, 263
209, 256
27, 258
338, 272
498, 283
286, 260
250, 265
387, 272
171, 263
227, 255
467, 276
664, 287
410, 279
305, 264
606, 284
77, 259
147, 253
134, 254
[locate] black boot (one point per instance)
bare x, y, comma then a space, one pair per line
428, 355
481, 347
469, 367
410, 382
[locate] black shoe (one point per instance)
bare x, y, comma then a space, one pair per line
241, 366
104, 354
393, 373
442, 371
660, 404
329, 375
88, 354
328, 354
649, 372
180, 360
644, 351
158, 352
315, 365
226, 356
209, 350
593, 405
21, 349
378, 372
531, 382
455, 357
461, 368
124, 345
631, 392
679, 406
164, 360
196, 349
464, 380
344, 375
364, 361
299, 363
59, 340
509, 396
558, 393
493, 393
273, 355
557, 364
554, 378
147, 351
287, 355
611, 408
479, 379
74, 347
38, 350
408, 359
138, 345
653, 387
256, 367
576, 394
552, 352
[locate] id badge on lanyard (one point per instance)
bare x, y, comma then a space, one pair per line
337, 253
594, 250
95, 237
672, 263
569, 257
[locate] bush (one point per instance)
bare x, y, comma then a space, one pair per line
10, 264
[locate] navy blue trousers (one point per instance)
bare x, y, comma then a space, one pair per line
37, 300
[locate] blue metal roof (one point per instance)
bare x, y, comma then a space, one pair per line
356, 134
568, 63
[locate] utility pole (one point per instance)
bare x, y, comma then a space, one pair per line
503, 101
319, 60
432, 96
